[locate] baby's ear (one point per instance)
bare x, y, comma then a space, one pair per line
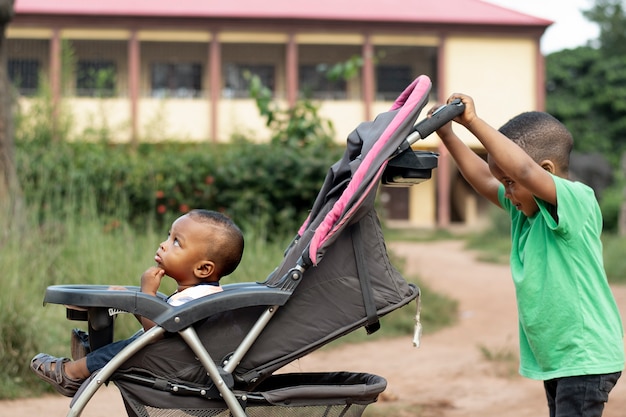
204, 269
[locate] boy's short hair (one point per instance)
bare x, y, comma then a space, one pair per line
227, 248
542, 136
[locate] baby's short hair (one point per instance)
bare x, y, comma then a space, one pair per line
541, 136
228, 244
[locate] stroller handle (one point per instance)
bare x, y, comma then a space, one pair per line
440, 117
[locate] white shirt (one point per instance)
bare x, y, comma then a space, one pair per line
192, 293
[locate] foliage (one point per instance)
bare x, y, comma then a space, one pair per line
586, 86
611, 205
272, 181
40, 124
614, 260
610, 17
587, 92
346, 70
504, 360
494, 242
266, 185
297, 126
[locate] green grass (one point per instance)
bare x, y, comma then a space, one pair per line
504, 360
417, 235
491, 248
614, 259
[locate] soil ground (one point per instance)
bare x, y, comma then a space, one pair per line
469, 369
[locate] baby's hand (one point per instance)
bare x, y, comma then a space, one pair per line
151, 280
117, 288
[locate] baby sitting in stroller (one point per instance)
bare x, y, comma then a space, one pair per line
202, 246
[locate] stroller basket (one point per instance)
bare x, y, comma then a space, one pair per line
296, 394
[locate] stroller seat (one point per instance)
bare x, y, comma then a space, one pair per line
220, 353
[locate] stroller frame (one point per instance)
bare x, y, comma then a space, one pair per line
352, 182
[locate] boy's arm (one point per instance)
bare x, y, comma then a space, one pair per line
510, 158
473, 168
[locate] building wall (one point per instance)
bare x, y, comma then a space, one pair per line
499, 73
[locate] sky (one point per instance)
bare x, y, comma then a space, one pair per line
570, 28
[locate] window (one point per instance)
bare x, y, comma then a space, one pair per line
181, 80
391, 80
314, 83
24, 75
236, 79
95, 78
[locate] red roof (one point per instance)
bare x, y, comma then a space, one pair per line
407, 11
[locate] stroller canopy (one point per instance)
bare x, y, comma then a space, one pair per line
348, 280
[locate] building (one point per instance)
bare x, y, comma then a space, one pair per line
158, 69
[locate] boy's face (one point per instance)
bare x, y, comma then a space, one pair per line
519, 196
184, 250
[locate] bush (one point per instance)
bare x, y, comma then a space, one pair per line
264, 185
271, 186
614, 260
611, 204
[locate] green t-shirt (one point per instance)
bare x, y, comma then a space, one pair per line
569, 323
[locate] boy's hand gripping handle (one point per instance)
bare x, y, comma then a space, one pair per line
440, 117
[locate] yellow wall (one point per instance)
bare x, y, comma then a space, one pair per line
499, 73
422, 208
173, 119
241, 117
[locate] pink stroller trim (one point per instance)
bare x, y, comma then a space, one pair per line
406, 102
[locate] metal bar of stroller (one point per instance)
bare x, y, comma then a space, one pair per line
440, 117
105, 373
250, 338
191, 337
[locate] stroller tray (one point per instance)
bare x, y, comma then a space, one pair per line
295, 394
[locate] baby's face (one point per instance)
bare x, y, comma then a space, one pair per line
184, 249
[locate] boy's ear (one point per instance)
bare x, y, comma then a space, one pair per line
204, 269
549, 166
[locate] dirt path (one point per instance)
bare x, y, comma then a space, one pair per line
448, 376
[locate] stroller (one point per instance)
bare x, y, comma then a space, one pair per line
220, 353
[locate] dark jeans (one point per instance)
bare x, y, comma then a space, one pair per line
579, 396
100, 357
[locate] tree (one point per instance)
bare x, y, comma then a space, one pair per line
586, 90
9, 185
586, 86
609, 15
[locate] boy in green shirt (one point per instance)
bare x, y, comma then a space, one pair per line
570, 330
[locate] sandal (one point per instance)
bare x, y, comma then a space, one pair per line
42, 365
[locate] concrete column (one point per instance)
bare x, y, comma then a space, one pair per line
368, 77
133, 85
292, 70
215, 84
55, 79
